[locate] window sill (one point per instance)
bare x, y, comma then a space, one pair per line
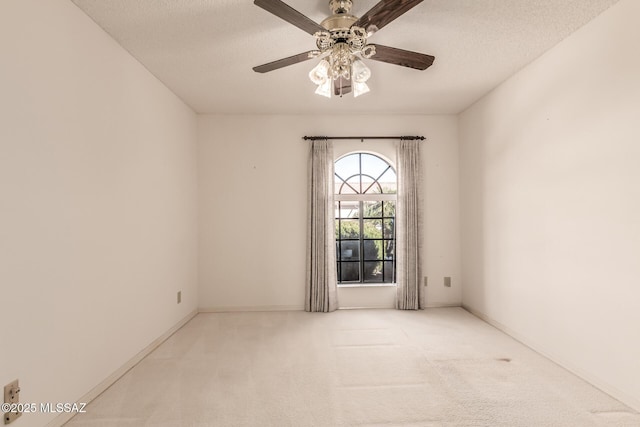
368, 285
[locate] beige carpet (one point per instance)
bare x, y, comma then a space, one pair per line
438, 367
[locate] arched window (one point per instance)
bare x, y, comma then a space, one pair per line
365, 194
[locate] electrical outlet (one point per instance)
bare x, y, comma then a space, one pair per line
179, 297
425, 281
12, 396
447, 282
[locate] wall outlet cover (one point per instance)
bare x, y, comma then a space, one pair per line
11, 395
10, 417
12, 392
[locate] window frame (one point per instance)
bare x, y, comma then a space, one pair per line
361, 199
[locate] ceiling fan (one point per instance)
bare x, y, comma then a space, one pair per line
341, 41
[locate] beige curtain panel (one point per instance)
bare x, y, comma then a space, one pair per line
408, 226
321, 290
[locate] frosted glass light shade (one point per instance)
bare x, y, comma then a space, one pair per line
359, 89
319, 74
360, 72
324, 89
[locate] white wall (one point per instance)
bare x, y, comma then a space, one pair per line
97, 204
253, 203
550, 190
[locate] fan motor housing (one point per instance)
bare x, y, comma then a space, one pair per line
341, 18
342, 21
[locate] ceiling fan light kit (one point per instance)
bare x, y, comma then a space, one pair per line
341, 41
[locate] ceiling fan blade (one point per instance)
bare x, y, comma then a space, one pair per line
280, 63
289, 14
341, 86
383, 13
405, 58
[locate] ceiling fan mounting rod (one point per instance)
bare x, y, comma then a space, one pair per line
340, 6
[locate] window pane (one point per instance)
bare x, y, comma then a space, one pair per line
370, 186
373, 165
351, 186
372, 250
348, 166
388, 272
372, 209
373, 271
389, 209
349, 229
349, 250
350, 272
348, 209
389, 249
372, 228
366, 183
388, 181
389, 232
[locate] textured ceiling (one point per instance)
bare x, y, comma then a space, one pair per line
204, 50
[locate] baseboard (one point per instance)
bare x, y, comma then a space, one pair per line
369, 307
434, 305
588, 377
238, 309
251, 308
61, 419
443, 305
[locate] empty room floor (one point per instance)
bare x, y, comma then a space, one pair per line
437, 367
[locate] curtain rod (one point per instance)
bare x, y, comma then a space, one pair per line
362, 138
